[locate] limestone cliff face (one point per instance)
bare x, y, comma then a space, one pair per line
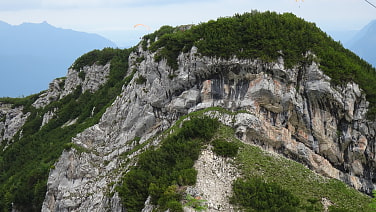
11, 120
295, 112
92, 77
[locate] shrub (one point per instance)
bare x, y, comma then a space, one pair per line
166, 168
197, 203
256, 195
224, 148
81, 75
140, 79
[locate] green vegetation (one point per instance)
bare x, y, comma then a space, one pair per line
299, 181
197, 204
24, 165
99, 57
225, 148
267, 36
269, 182
157, 34
81, 75
257, 195
160, 172
26, 102
373, 203
290, 176
140, 79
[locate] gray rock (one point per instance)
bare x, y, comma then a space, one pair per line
48, 116
93, 77
11, 121
301, 116
52, 94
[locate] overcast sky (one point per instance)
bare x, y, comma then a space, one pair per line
115, 18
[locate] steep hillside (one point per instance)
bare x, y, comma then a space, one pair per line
198, 117
35, 130
32, 55
364, 42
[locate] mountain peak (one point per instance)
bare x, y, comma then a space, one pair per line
364, 43
46, 53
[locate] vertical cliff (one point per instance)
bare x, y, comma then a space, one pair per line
11, 121
295, 112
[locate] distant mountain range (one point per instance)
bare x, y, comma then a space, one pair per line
31, 55
364, 43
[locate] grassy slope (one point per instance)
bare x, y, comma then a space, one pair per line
308, 186
302, 182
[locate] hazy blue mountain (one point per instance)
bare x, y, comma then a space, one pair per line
364, 43
31, 55
344, 36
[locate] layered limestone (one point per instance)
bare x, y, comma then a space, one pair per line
48, 116
52, 94
11, 121
295, 112
90, 78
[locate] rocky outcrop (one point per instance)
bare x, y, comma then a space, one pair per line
90, 78
11, 121
48, 116
52, 94
295, 112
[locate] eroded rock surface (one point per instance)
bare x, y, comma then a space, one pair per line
214, 181
294, 112
11, 121
90, 78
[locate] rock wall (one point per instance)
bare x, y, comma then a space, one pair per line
92, 77
295, 112
52, 94
11, 121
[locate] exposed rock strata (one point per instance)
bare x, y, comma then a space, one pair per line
52, 94
92, 77
295, 112
48, 116
11, 121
